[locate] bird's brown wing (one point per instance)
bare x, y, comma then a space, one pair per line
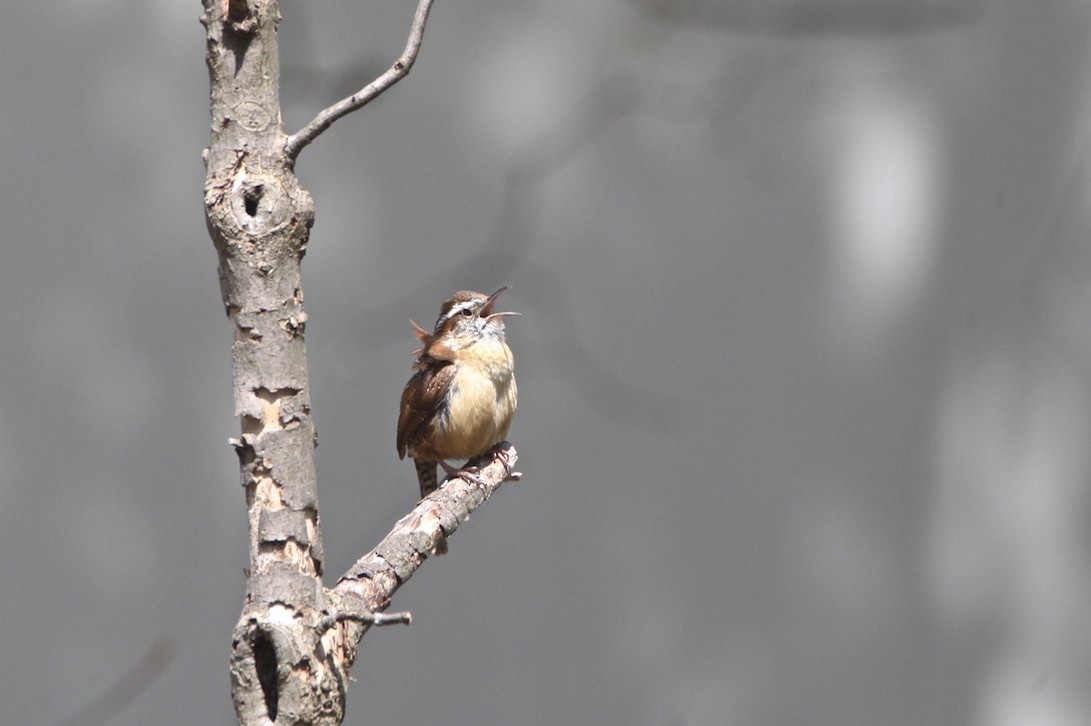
422, 399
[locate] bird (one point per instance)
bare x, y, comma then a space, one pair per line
460, 400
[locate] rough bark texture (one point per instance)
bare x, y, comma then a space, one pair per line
259, 219
295, 640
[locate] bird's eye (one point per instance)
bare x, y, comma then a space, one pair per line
467, 312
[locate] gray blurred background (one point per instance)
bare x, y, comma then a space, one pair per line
804, 359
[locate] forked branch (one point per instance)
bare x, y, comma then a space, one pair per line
295, 641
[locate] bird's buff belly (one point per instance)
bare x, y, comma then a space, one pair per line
477, 416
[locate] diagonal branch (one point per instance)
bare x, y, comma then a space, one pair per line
371, 582
117, 697
368, 93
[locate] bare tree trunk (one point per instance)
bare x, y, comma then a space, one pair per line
295, 640
260, 219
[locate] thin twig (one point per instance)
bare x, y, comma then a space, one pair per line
368, 93
378, 619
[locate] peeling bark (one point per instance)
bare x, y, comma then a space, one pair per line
260, 218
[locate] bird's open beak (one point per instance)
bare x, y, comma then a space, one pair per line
486, 310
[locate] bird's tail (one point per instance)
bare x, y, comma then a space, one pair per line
426, 475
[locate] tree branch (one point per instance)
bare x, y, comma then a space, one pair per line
376, 576
369, 584
297, 141
117, 697
379, 619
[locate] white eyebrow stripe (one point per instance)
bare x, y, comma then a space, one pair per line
456, 310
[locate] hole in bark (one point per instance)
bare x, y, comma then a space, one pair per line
265, 663
250, 199
237, 11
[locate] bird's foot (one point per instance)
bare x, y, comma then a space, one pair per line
467, 473
500, 451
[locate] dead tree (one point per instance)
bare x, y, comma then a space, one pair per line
296, 639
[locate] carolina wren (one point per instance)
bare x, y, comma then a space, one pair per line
460, 400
